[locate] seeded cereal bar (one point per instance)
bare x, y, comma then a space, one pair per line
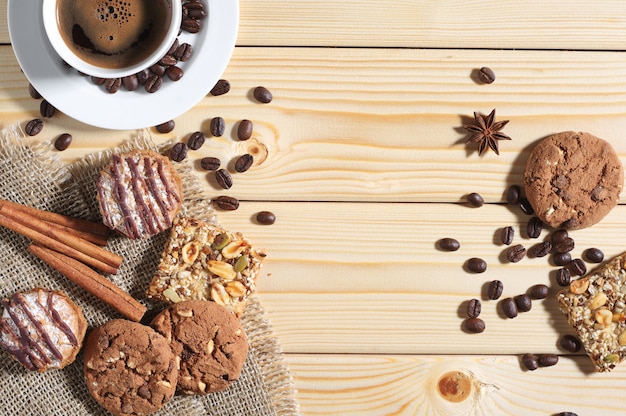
595, 307
205, 262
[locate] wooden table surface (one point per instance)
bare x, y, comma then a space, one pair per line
365, 165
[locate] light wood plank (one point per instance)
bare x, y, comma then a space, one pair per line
407, 385
525, 24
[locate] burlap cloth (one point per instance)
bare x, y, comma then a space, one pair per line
35, 176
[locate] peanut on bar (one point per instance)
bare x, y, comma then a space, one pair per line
595, 306
205, 262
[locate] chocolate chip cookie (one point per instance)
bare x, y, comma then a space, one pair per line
210, 342
572, 180
129, 368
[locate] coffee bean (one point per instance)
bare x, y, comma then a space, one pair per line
244, 162
524, 204
223, 178
513, 195
210, 163
265, 217
578, 267
217, 126
226, 203
523, 302
221, 87
63, 141
540, 249
168, 60
473, 308
474, 325
565, 246
494, 290
33, 92
449, 244
113, 85
262, 95
142, 76
534, 227
178, 152
515, 253
475, 199
547, 360
509, 307
486, 75
190, 25
566, 414
130, 83
570, 343
174, 73
166, 127
530, 361
173, 48
559, 236
183, 52
563, 277
34, 127
46, 109
572, 223
98, 80
506, 235
561, 259
194, 10
593, 255
476, 265
539, 291
157, 69
153, 83
244, 131
196, 140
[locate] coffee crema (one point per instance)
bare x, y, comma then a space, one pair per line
113, 33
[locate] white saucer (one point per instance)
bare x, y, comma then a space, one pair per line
79, 98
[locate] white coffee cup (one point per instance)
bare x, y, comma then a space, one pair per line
72, 55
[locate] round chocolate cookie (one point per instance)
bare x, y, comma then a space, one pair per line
129, 368
572, 180
210, 342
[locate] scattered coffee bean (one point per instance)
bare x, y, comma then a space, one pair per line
190, 25
63, 141
509, 307
539, 291
476, 265
33, 92
570, 343
547, 360
534, 227
221, 87
566, 414
563, 277
173, 48
130, 83
262, 95
217, 126
210, 163
473, 308
178, 153
513, 195
494, 290
168, 60
46, 109
475, 199
540, 249
486, 75
570, 224
244, 131
578, 267
34, 127
183, 52
530, 361
113, 85
174, 72
166, 127
561, 259
153, 83
226, 203
515, 253
559, 236
525, 206
244, 162
197, 14
142, 76
593, 255
506, 235
196, 140
523, 302
565, 246
449, 244
157, 69
266, 218
98, 80
223, 178
475, 325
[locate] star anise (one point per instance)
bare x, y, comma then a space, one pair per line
486, 133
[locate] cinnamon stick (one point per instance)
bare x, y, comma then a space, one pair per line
91, 281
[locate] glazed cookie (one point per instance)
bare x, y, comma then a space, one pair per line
129, 368
210, 342
572, 180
